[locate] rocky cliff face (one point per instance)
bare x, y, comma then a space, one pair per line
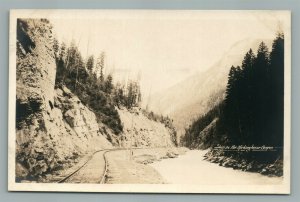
139, 131
53, 128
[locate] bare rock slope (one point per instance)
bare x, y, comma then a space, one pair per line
53, 128
139, 131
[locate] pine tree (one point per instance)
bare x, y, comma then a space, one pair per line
247, 97
60, 65
108, 84
277, 90
90, 64
62, 52
55, 48
261, 94
99, 69
101, 65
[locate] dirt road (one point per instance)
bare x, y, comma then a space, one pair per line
124, 168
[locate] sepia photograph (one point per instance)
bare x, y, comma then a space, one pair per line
150, 101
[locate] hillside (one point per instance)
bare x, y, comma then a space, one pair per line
58, 123
250, 118
139, 131
197, 94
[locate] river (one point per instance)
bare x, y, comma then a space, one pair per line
190, 168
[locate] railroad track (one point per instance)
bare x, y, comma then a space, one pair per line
102, 181
103, 177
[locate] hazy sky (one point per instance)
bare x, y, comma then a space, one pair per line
162, 47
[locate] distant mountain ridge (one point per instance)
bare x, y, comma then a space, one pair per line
195, 95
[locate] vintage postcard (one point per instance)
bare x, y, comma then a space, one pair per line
153, 101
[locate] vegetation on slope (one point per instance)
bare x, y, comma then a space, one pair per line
252, 112
97, 91
86, 79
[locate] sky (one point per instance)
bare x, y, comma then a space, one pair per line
161, 48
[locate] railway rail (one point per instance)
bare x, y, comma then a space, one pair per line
104, 174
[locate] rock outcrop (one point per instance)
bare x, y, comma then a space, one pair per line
53, 128
139, 131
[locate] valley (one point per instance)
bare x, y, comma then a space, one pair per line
76, 124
